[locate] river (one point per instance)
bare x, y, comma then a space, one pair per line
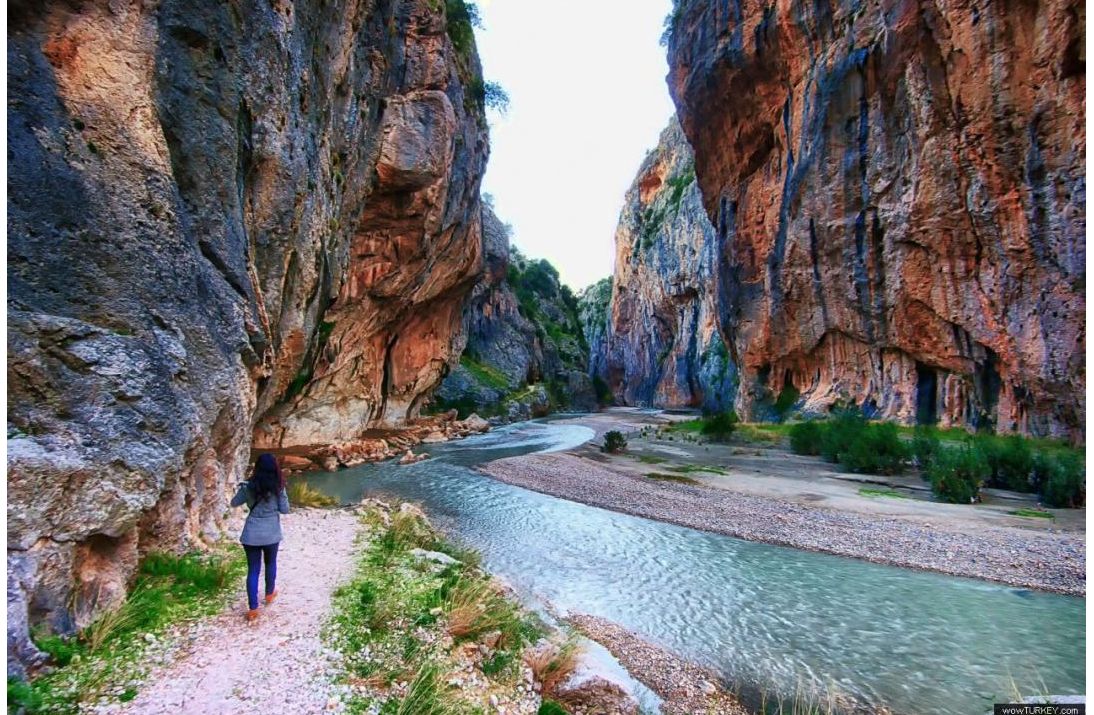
768, 618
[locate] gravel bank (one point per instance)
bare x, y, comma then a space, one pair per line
1048, 562
685, 687
277, 665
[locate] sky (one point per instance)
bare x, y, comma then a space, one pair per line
588, 99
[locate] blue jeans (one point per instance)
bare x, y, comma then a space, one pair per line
255, 556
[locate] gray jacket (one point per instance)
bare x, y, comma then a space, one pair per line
263, 525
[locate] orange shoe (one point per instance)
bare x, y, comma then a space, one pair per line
271, 597
252, 615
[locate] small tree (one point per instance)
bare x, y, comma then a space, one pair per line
806, 437
719, 427
614, 441
956, 474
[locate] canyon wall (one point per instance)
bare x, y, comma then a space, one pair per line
226, 221
525, 354
898, 190
661, 345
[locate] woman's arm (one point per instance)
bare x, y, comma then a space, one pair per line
242, 495
283, 502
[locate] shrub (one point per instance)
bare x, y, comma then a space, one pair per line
925, 446
1011, 462
614, 442
806, 437
843, 431
1063, 479
877, 450
956, 474
550, 707
719, 427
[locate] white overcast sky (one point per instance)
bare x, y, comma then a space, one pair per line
586, 82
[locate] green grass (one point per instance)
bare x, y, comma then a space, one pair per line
689, 426
304, 495
692, 468
867, 492
107, 655
1032, 513
678, 478
650, 459
483, 373
379, 617
763, 432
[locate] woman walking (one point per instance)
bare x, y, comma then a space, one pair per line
264, 494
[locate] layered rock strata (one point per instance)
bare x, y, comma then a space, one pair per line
898, 190
661, 345
225, 220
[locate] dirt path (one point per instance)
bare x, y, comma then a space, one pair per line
278, 665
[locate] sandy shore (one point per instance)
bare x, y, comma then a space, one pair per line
1030, 559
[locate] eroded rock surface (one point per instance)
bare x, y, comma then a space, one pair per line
225, 220
899, 191
526, 353
661, 345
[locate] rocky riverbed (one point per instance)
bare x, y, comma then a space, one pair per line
684, 686
1049, 562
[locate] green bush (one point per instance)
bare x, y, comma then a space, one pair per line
841, 432
806, 437
1011, 462
878, 449
1062, 476
550, 707
957, 473
925, 446
719, 427
614, 441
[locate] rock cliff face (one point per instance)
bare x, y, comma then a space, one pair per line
662, 345
525, 353
225, 220
898, 190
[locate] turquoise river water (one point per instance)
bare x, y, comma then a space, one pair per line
767, 618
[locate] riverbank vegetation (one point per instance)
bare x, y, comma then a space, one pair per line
104, 661
303, 494
957, 464
422, 629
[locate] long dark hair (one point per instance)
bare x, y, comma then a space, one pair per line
267, 480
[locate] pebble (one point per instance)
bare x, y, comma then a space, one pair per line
1018, 557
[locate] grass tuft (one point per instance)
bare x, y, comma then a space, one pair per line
552, 664
1032, 513
867, 492
303, 494
678, 478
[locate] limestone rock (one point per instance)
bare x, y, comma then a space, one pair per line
523, 333
660, 344
898, 191
225, 221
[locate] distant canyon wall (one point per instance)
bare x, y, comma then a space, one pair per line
660, 344
525, 354
226, 221
898, 195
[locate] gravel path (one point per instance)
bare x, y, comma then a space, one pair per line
685, 687
278, 665
1019, 557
